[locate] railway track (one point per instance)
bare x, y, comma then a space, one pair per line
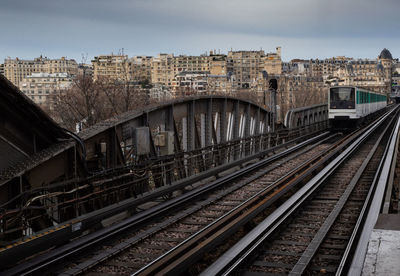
190, 247
314, 231
207, 223
150, 221
206, 213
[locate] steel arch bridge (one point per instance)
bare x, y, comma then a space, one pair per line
179, 126
49, 176
307, 115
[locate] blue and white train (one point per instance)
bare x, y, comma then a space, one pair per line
350, 105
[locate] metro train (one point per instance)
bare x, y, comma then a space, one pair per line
350, 105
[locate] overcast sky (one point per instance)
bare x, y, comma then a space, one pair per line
303, 28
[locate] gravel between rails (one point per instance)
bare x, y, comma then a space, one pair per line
162, 240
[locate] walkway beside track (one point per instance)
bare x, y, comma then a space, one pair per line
383, 253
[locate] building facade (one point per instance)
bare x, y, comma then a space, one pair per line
220, 85
141, 69
162, 69
17, 69
326, 67
85, 70
218, 65
273, 62
42, 87
190, 83
112, 67
244, 66
296, 67
373, 74
165, 67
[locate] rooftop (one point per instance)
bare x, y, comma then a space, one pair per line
385, 54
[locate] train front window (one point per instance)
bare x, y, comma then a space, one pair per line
342, 98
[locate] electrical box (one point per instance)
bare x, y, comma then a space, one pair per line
159, 140
103, 147
165, 141
141, 140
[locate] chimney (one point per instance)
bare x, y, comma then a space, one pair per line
278, 51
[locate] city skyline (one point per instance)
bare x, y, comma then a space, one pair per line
304, 29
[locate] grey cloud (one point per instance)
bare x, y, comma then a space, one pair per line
162, 25
286, 17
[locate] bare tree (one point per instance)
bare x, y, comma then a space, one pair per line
89, 102
82, 102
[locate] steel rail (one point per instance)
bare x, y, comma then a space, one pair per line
237, 254
183, 255
116, 249
314, 245
79, 245
369, 214
74, 228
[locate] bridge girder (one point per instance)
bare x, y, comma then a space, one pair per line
192, 122
303, 116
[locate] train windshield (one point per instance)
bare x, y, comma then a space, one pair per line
342, 98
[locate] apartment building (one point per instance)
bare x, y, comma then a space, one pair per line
162, 69
327, 67
165, 67
218, 65
85, 69
296, 67
141, 68
184, 63
245, 66
112, 67
2, 69
190, 83
220, 85
17, 69
42, 87
388, 63
364, 73
61, 65
373, 74
273, 62
396, 67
